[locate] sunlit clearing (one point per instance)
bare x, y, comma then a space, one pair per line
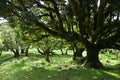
2, 20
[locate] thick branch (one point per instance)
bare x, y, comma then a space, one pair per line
100, 19
40, 38
59, 17
45, 28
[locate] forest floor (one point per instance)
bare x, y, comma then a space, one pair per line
61, 67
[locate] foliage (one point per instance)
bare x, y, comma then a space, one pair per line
90, 24
10, 39
47, 43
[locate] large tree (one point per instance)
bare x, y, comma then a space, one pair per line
96, 23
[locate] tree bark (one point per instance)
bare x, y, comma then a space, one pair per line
92, 60
47, 55
22, 51
26, 52
16, 53
78, 53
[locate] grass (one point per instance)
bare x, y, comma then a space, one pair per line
61, 67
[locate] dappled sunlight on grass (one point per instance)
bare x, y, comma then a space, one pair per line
61, 67
113, 74
32, 73
26, 68
109, 59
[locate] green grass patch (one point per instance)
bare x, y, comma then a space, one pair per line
61, 67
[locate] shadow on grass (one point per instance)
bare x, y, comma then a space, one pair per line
5, 58
23, 72
9, 57
34, 55
114, 67
24, 69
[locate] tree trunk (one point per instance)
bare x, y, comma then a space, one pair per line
92, 60
26, 52
78, 53
66, 51
16, 53
22, 51
0, 52
47, 55
62, 51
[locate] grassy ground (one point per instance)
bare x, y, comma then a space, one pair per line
61, 67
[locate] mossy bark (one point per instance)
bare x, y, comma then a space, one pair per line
92, 60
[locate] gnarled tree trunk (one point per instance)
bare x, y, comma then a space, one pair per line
92, 60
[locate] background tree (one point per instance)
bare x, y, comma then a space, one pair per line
77, 50
46, 46
11, 40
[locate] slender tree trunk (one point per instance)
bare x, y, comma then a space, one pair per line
93, 58
22, 51
26, 52
62, 51
78, 53
66, 51
47, 55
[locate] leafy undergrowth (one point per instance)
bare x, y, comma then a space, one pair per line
61, 67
